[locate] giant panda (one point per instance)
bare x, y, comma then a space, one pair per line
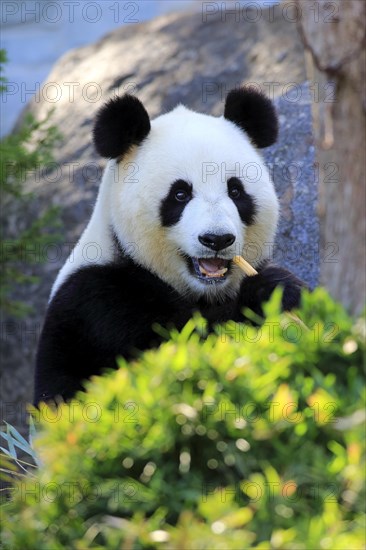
175, 205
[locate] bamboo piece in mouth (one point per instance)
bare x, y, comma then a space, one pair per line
245, 266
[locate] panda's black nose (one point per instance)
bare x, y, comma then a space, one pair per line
216, 242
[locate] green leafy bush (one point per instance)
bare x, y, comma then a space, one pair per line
22, 151
250, 438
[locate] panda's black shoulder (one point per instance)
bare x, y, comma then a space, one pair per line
110, 285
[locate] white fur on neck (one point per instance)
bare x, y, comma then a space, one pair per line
97, 236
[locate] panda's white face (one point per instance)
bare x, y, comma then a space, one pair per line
193, 195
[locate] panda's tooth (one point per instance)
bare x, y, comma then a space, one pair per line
211, 274
219, 273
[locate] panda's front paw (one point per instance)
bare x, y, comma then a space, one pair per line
291, 296
258, 289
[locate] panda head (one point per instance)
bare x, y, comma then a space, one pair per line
187, 191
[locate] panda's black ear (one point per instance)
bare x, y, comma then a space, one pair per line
254, 113
120, 123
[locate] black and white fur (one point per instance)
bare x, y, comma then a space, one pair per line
181, 196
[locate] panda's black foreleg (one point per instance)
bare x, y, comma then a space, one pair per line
257, 290
61, 387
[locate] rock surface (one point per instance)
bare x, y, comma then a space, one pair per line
190, 58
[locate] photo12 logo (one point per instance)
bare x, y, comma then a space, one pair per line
69, 11
252, 11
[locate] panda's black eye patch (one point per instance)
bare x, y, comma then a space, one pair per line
242, 200
171, 208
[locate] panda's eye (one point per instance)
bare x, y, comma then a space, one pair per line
234, 193
182, 196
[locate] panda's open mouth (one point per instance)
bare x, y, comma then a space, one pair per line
210, 270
